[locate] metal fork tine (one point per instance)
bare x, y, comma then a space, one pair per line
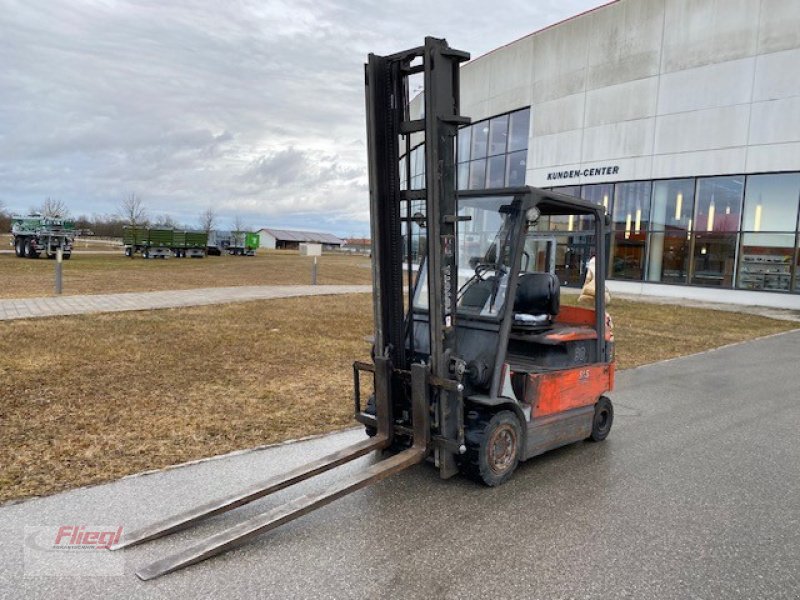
282, 514
254, 492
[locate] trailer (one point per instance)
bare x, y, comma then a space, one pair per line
149, 243
218, 241
195, 244
35, 234
243, 243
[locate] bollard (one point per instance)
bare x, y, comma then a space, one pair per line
314, 272
59, 270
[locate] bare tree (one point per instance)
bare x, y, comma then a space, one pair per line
166, 221
208, 219
239, 224
132, 211
52, 207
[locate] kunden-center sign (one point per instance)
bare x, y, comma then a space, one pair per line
588, 172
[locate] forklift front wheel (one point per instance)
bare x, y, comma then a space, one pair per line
603, 419
494, 448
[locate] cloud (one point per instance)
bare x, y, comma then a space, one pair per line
255, 107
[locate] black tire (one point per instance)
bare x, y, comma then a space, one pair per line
18, 247
603, 419
67, 256
494, 444
129, 252
29, 251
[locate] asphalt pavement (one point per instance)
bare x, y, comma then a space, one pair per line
695, 494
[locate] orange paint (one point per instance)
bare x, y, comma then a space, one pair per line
557, 391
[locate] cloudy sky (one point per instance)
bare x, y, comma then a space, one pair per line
254, 108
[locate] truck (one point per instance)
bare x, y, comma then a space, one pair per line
36, 234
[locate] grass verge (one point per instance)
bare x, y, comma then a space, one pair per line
92, 398
111, 273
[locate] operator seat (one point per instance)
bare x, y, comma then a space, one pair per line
538, 299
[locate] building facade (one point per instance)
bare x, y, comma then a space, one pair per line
287, 239
682, 117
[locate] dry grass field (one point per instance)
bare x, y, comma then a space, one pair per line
111, 273
104, 396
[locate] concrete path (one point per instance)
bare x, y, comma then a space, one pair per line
695, 494
31, 308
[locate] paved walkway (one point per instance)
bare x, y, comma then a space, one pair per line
31, 308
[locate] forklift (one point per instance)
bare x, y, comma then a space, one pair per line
475, 365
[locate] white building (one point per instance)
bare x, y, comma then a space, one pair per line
288, 239
681, 116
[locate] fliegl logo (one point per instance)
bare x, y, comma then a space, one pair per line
72, 550
84, 537
73, 537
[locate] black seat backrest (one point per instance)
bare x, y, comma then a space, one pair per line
538, 293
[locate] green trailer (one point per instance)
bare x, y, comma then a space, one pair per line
243, 243
35, 234
196, 244
149, 242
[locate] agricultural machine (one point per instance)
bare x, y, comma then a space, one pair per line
152, 242
35, 234
243, 243
476, 366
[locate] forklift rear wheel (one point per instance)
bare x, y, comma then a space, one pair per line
493, 448
603, 419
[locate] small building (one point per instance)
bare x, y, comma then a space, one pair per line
310, 249
286, 239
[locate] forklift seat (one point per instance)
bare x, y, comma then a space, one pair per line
538, 294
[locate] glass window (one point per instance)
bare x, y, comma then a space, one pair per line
670, 224
718, 204
463, 175
628, 257
601, 193
632, 207
485, 248
631, 221
770, 202
713, 258
480, 137
515, 168
464, 141
765, 261
496, 171
477, 174
498, 135
770, 205
519, 125
403, 173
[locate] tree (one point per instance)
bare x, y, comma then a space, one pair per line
166, 221
5, 218
239, 224
208, 219
132, 211
54, 208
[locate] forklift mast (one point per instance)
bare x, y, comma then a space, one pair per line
389, 124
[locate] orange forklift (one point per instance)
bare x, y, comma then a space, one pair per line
475, 365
